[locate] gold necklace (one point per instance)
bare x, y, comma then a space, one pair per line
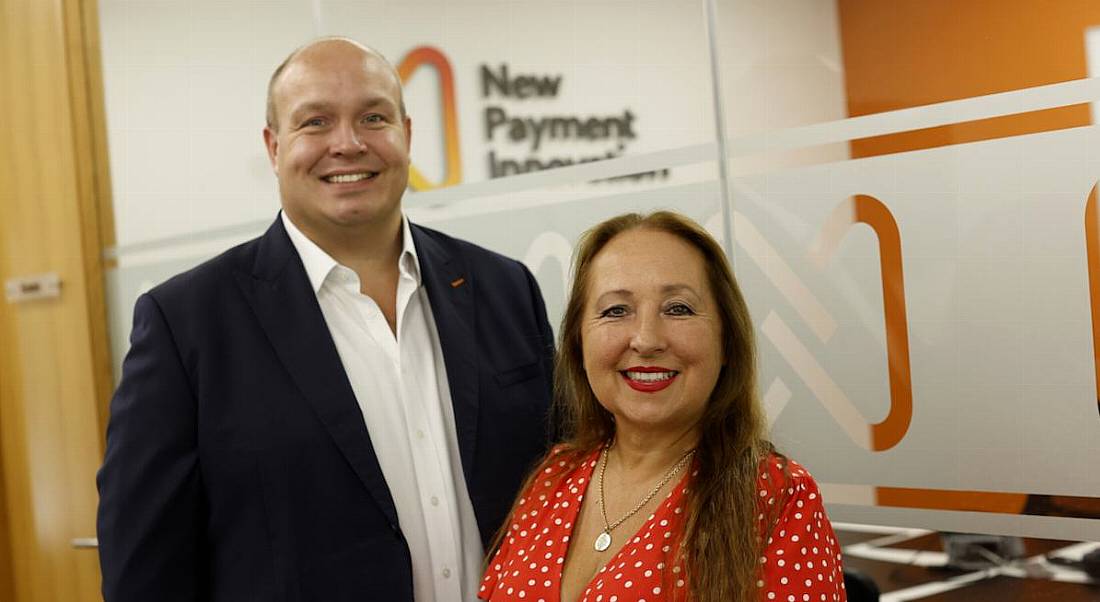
603, 540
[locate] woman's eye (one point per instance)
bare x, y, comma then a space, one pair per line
615, 311
679, 309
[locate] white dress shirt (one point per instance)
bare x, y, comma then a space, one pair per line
400, 382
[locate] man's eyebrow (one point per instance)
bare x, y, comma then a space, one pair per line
320, 106
376, 101
310, 107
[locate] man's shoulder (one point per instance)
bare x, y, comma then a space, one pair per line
209, 276
470, 253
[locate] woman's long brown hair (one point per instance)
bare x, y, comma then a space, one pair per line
721, 542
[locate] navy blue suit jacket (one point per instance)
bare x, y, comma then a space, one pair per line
238, 466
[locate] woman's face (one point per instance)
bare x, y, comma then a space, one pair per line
651, 332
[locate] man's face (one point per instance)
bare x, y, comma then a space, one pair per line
340, 147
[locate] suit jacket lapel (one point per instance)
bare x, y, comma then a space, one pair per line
450, 292
280, 294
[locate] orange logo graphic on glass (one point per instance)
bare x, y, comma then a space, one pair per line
1092, 250
869, 210
434, 58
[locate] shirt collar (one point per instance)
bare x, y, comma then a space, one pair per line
409, 261
319, 264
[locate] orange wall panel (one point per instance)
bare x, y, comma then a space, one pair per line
908, 53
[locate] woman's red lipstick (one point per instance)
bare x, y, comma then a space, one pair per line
649, 386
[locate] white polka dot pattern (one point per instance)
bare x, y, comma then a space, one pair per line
801, 562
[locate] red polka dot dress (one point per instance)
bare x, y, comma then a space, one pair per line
801, 562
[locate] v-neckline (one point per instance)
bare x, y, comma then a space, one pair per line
586, 473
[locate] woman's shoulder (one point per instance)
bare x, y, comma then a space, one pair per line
560, 462
779, 473
566, 455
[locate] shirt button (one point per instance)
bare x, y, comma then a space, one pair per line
435, 501
419, 434
446, 573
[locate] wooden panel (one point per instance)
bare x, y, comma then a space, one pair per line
7, 579
54, 356
94, 184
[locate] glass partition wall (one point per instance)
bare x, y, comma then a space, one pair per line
910, 188
916, 227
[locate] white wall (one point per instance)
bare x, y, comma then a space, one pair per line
185, 83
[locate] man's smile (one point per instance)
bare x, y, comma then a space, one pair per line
349, 178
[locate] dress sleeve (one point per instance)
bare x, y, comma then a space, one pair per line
503, 558
801, 561
494, 571
508, 562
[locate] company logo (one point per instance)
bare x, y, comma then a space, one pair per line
799, 357
434, 58
864, 209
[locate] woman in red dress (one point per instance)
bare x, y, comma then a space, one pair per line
666, 487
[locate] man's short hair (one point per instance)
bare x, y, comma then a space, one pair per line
272, 117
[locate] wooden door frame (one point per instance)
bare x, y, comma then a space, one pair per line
55, 192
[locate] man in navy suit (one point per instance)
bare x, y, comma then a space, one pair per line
339, 410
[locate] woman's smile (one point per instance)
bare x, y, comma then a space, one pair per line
648, 379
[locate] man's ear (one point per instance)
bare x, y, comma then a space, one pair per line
408, 133
271, 142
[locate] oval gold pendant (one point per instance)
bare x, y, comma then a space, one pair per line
603, 541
